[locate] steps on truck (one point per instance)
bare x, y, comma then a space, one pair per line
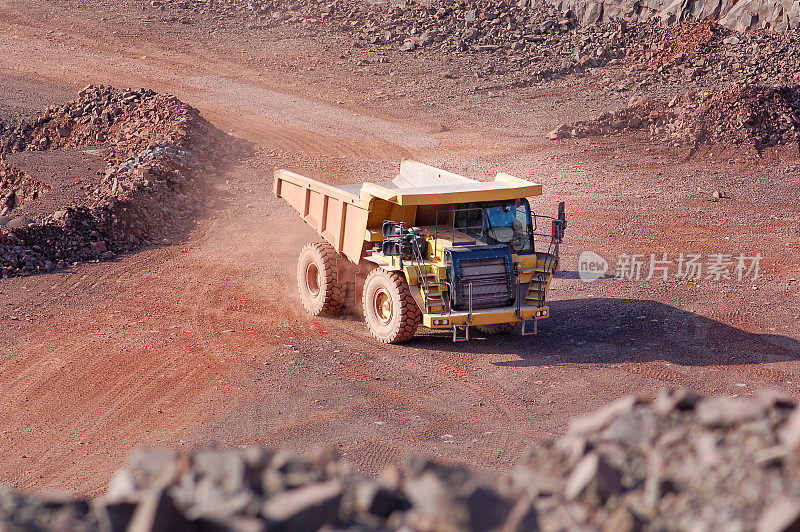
431, 290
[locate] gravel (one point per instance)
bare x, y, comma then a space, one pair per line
529, 42
754, 116
156, 148
679, 462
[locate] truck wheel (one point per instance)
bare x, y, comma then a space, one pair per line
321, 290
498, 328
390, 311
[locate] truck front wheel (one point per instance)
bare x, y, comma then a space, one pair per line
390, 311
318, 279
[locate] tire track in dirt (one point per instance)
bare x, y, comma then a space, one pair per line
126, 383
105, 390
378, 393
653, 370
495, 397
766, 374
462, 383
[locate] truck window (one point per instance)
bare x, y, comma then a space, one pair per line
507, 222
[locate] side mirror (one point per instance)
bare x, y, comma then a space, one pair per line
391, 248
558, 229
391, 229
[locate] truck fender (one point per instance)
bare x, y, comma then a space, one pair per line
377, 260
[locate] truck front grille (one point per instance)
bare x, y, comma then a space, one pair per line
489, 282
489, 270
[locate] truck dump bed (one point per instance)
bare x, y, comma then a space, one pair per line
336, 213
348, 216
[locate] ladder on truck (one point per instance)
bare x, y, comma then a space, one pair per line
432, 289
541, 276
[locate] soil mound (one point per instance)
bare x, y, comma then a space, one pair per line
154, 149
754, 116
676, 463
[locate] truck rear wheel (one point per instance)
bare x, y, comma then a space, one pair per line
498, 328
321, 290
390, 311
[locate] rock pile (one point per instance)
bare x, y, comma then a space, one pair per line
521, 34
679, 462
527, 40
681, 42
708, 52
756, 116
155, 146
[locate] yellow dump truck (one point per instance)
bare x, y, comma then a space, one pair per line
430, 248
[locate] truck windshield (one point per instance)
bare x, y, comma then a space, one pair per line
503, 222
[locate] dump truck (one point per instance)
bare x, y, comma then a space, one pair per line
430, 247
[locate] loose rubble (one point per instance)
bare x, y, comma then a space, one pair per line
518, 36
156, 147
16, 187
707, 52
531, 42
752, 116
679, 462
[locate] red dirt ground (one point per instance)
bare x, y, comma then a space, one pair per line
203, 340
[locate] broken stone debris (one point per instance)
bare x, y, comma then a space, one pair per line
157, 148
679, 462
756, 116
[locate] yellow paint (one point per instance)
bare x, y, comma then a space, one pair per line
483, 317
443, 194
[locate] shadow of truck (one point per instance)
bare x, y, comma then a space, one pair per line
610, 330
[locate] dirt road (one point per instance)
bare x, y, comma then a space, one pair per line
203, 341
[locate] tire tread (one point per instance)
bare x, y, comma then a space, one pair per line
335, 289
410, 314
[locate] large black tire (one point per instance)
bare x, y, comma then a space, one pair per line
318, 281
498, 328
391, 314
